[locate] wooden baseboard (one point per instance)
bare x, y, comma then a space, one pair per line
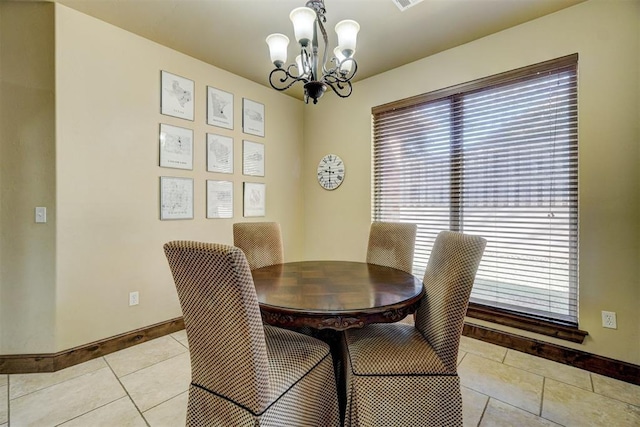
619, 370
28, 363
51, 362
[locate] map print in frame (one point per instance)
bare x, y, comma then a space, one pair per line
176, 98
219, 108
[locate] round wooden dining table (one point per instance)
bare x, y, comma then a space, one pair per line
335, 295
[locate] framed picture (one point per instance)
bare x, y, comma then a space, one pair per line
252, 158
176, 97
176, 147
252, 117
219, 108
219, 199
176, 198
219, 153
254, 199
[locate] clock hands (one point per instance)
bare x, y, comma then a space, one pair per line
331, 172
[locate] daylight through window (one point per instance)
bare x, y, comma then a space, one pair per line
497, 157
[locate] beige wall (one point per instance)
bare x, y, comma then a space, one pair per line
27, 178
70, 283
90, 155
606, 35
110, 239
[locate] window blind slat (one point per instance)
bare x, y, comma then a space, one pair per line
497, 158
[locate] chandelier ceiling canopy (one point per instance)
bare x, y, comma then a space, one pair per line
315, 74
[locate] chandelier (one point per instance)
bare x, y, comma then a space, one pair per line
315, 75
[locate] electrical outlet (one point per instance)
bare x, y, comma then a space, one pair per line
609, 320
134, 298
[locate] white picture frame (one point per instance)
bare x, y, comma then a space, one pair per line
176, 96
254, 199
252, 158
176, 198
219, 199
219, 108
252, 117
219, 153
176, 147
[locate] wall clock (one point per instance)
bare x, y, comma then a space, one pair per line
330, 172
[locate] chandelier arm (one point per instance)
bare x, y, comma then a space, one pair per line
340, 89
354, 68
325, 38
281, 82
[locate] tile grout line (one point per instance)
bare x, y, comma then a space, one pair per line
62, 382
94, 409
544, 382
53, 384
600, 395
88, 412
153, 364
165, 401
178, 341
8, 401
484, 410
127, 393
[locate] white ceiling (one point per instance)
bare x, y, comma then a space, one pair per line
230, 34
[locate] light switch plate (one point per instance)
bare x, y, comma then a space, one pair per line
41, 214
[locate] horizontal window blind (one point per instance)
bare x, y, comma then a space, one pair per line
496, 158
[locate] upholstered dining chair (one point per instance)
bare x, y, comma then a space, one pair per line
404, 375
261, 242
391, 244
244, 373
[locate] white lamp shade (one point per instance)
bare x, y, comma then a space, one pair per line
347, 31
278, 44
346, 67
303, 19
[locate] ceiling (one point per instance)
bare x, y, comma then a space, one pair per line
230, 34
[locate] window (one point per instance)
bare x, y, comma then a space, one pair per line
497, 157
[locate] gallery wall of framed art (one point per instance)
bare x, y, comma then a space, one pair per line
179, 144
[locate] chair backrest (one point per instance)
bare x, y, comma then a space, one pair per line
448, 280
392, 244
261, 242
222, 320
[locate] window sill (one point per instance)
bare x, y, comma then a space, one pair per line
531, 324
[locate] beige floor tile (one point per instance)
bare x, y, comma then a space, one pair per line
171, 413
120, 413
180, 335
473, 404
499, 414
616, 389
151, 386
22, 384
4, 405
4, 380
481, 348
460, 357
573, 406
66, 400
511, 385
547, 368
143, 355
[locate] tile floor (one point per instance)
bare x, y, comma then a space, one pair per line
146, 385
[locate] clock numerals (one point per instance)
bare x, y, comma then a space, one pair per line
330, 172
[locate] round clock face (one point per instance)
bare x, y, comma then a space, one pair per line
330, 172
